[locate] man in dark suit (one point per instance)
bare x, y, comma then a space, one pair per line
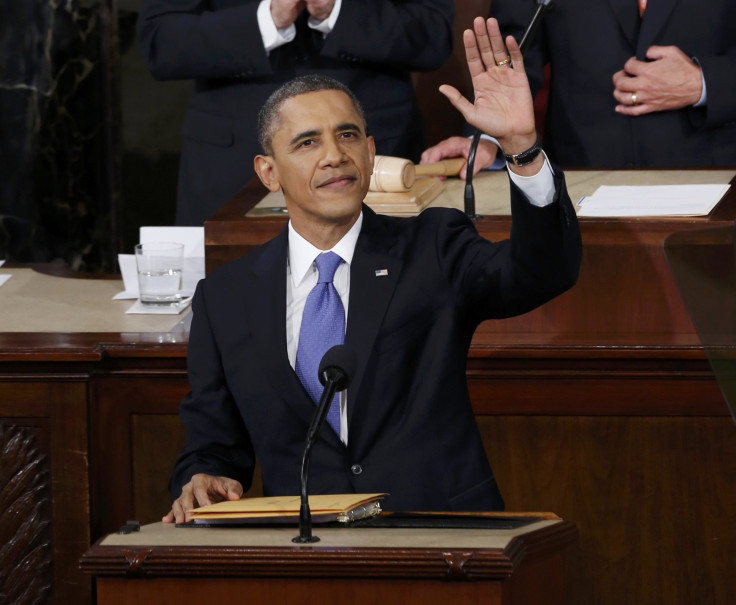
656, 89
413, 291
240, 51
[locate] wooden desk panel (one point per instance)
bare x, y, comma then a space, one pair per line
44, 488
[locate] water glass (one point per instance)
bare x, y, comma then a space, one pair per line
159, 272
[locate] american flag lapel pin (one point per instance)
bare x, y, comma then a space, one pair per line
381, 272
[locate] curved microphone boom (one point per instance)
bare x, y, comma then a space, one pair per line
526, 40
336, 370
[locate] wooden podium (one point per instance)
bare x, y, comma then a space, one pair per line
167, 564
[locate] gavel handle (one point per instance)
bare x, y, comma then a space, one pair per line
449, 167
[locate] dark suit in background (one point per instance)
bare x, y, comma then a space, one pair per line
372, 49
587, 41
411, 428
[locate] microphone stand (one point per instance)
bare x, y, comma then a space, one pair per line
526, 40
333, 378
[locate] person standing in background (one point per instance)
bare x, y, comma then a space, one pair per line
631, 83
240, 51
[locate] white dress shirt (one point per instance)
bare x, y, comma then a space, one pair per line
301, 277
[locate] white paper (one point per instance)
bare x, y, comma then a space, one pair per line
130, 277
652, 200
193, 267
191, 237
5, 277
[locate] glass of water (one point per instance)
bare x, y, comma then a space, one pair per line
159, 272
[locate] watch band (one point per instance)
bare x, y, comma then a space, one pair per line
525, 157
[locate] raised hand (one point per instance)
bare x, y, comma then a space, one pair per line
502, 106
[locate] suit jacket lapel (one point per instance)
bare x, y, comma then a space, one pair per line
268, 323
655, 17
370, 293
626, 13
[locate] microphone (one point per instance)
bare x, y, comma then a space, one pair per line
531, 31
526, 40
335, 373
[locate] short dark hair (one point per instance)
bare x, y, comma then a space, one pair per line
268, 116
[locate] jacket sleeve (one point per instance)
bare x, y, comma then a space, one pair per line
720, 83
540, 260
186, 39
217, 441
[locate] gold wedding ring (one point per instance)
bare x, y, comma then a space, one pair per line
506, 61
633, 98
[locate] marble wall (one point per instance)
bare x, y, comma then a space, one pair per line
89, 142
151, 115
56, 199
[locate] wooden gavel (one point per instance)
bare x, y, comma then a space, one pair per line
398, 174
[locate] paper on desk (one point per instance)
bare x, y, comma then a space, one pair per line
4, 278
193, 269
652, 200
138, 308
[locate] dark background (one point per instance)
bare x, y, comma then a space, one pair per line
89, 142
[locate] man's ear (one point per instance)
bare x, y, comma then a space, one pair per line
265, 167
371, 151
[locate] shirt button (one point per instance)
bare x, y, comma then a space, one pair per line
356, 469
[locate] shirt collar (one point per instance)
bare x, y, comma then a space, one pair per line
302, 253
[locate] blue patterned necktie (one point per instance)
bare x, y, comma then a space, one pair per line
323, 326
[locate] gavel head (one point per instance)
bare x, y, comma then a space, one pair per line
392, 174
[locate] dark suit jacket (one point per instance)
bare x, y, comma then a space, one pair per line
587, 41
412, 431
373, 47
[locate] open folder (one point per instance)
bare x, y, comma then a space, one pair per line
341, 508
356, 510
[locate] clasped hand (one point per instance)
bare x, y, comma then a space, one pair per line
668, 80
285, 12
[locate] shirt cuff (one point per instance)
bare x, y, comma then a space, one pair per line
326, 25
272, 37
498, 163
704, 95
540, 188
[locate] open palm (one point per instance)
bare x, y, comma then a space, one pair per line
502, 105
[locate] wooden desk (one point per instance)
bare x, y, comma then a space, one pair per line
349, 565
81, 402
